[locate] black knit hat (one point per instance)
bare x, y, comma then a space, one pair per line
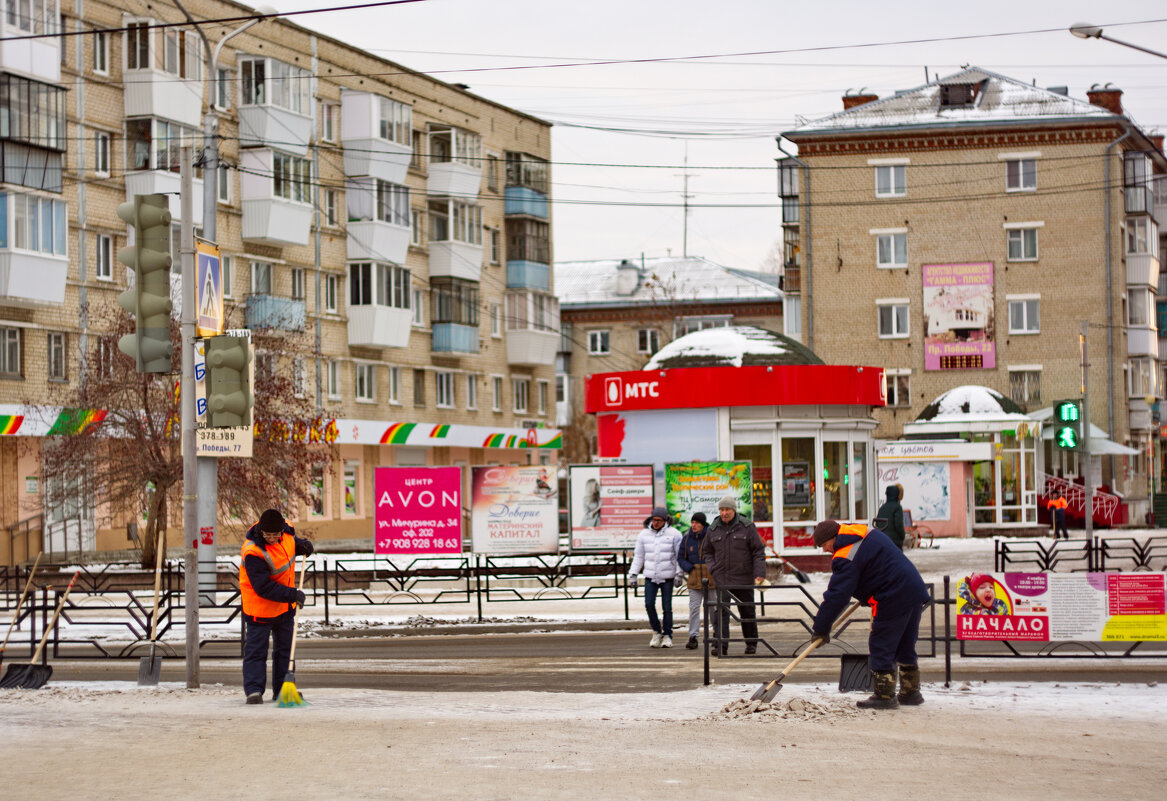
824, 531
698, 517
271, 521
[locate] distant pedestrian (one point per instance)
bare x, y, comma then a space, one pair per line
691, 559
736, 555
1057, 506
890, 517
656, 556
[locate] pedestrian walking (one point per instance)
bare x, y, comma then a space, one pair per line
867, 566
735, 555
267, 588
691, 560
1057, 506
656, 557
890, 517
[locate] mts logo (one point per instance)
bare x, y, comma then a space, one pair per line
616, 390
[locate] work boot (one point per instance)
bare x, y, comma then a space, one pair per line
691, 644
255, 698
910, 685
884, 696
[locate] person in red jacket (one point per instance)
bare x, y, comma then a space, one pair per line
267, 588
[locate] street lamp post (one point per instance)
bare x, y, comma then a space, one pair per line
1084, 30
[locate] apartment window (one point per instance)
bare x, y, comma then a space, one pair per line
182, 54
395, 385
331, 293
101, 52
153, 144
647, 341
1142, 236
1137, 190
271, 82
260, 278
331, 207
298, 377
56, 365
416, 156
416, 229
520, 387
298, 283
496, 393
1024, 316
332, 379
532, 311
529, 240
560, 388
395, 123
1141, 377
1025, 384
495, 246
453, 300
103, 353
418, 301
64, 41
449, 143
898, 387
891, 250
496, 320
291, 177
523, 169
365, 384
599, 343
103, 267
1021, 244
223, 84
329, 116
1021, 175
419, 387
890, 180
1138, 306
492, 172
445, 389
893, 319
225, 267
33, 113
224, 183
471, 392
687, 325
38, 224
792, 316
10, 352
372, 284
101, 153
137, 45
455, 221
541, 397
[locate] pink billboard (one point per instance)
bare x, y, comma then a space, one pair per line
418, 510
959, 325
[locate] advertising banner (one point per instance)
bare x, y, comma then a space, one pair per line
959, 327
1050, 607
418, 510
514, 511
609, 504
926, 486
698, 486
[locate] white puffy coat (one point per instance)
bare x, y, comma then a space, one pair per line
656, 554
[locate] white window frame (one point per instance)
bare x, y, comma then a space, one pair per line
1142, 237
332, 379
496, 320
225, 268
299, 377
364, 382
1026, 369
103, 258
1144, 300
894, 303
886, 240
1017, 183
299, 283
11, 346
1023, 302
331, 293
329, 120
471, 391
394, 386
101, 154
893, 169
223, 185
261, 276
100, 52
57, 366
647, 341
1017, 234
541, 391
600, 342
417, 227
520, 391
496, 393
332, 208
495, 245
222, 89
444, 389
892, 377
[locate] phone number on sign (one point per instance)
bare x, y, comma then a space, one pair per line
424, 543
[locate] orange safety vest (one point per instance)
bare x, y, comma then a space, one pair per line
1056, 503
281, 558
847, 551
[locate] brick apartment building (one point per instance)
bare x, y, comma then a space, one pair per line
1049, 208
416, 212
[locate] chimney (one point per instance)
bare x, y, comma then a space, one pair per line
627, 278
851, 101
1106, 97
1157, 141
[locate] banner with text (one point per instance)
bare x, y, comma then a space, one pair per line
1050, 607
609, 504
699, 486
418, 510
514, 510
959, 325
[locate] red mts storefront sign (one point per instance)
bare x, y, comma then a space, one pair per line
701, 387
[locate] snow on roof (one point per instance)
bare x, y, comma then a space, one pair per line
971, 403
733, 346
656, 281
999, 99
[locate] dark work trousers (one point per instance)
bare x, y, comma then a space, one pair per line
1060, 531
745, 610
259, 629
893, 639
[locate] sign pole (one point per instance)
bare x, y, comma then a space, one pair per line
1087, 478
189, 471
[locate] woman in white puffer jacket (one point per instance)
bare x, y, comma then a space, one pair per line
656, 557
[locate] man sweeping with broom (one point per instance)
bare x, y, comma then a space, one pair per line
267, 585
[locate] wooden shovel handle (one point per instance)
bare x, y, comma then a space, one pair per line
20, 603
60, 605
834, 626
160, 549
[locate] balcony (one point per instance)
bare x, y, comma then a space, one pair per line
278, 222
379, 326
532, 347
147, 182
153, 93
528, 275
271, 311
1142, 342
272, 126
1139, 414
791, 278
373, 240
454, 179
37, 58
366, 152
1142, 269
32, 279
524, 200
454, 338
455, 259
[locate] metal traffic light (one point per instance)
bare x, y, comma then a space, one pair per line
149, 298
228, 382
1068, 424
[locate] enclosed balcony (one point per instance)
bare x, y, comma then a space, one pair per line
532, 328
454, 338
455, 162
34, 259
274, 312
455, 239
528, 254
41, 57
376, 133
275, 190
454, 315
275, 109
378, 305
32, 133
153, 153
163, 73
1141, 341
378, 220
526, 189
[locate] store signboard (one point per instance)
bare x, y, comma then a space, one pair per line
609, 504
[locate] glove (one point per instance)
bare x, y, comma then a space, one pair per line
633, 581
821, 639
301, 599
678, 580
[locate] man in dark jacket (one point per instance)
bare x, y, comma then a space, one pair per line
867, 566
267, 589
735, 555
890, 517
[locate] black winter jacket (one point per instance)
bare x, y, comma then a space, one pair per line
735, 552
890, 517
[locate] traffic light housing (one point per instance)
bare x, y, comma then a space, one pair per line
1068, 424
148, 300
228, 382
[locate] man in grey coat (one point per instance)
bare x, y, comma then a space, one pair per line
736, 556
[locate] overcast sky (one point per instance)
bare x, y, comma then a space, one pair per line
724, 112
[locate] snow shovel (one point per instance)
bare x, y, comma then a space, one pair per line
798, 574
855, 674
150, 667
32, 676
770, 689
20, 603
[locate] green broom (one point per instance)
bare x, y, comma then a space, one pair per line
289, 695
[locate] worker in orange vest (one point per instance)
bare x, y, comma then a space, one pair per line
1057, 505
267, 587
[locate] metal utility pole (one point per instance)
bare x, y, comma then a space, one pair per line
190, 530
685, 198
1087, 478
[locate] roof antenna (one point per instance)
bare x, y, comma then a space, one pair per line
926, 79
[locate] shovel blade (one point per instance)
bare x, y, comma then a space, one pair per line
149, 669
854, 674
772, 693
26, 676
767, 691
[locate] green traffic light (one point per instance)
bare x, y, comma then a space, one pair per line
1067, 438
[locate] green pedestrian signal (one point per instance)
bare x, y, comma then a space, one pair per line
148, 300
1068, 424
228, 381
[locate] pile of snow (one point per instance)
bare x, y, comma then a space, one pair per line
732, 346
